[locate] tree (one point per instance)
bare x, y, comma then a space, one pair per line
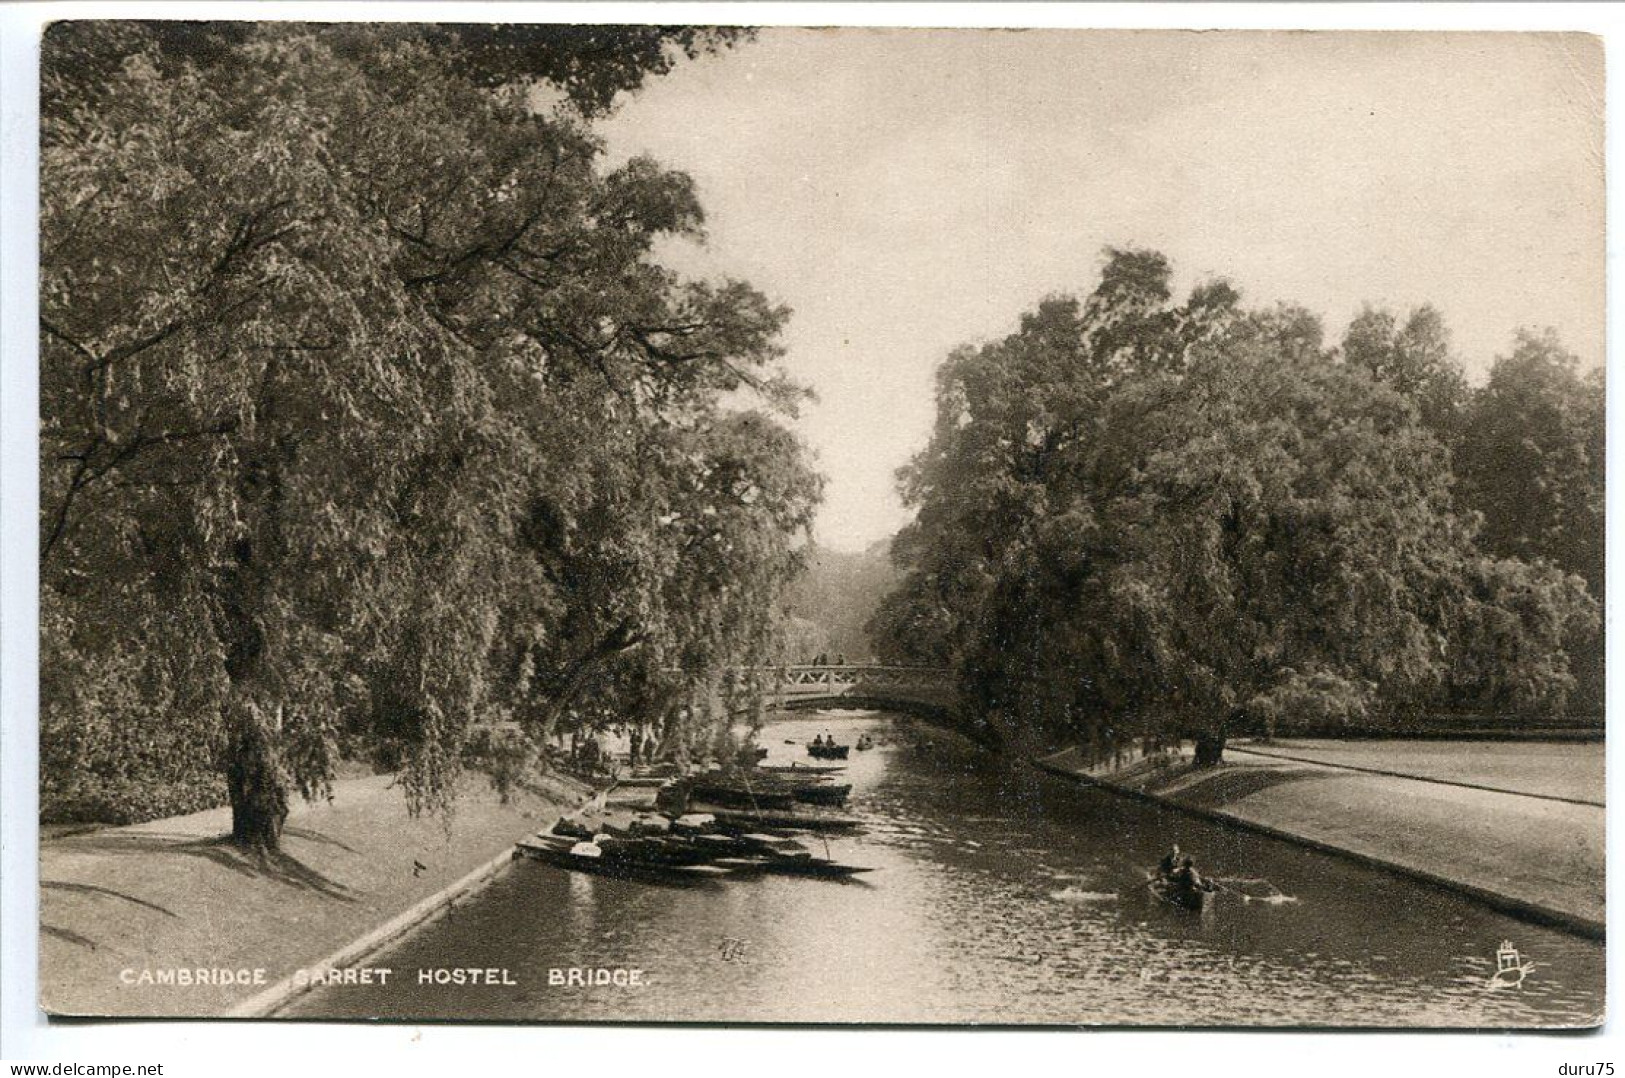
368, 370
1416, 360
1191, 532
590, 65
1532, 458
1006, 414
836, 598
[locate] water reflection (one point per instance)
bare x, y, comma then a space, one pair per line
1000, 896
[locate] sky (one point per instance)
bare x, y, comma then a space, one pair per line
908, 191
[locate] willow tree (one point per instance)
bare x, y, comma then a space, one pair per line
1196, 519
361, 390
1007, 412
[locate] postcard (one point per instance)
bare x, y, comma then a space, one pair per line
711, 524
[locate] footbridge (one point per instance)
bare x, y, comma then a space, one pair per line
920, 690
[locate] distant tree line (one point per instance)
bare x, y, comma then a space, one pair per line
1195, 518
828, 609
370, 423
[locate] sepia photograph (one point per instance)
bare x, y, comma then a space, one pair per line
582, 523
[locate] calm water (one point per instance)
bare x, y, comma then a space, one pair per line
1001, 896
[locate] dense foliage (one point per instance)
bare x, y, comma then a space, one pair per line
1196, 519
830, 606
369, 418
1531, 458
589, 65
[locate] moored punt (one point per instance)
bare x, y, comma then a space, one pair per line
749, 845
565, 852
719, 846
807, 866
633, 799
693, 823
739, 796
777, 842
813, 866
806, 819
662, 770
801, 769
824, 794
758, 782
695, 845
621, 822
784, 856
662, 850
753, 789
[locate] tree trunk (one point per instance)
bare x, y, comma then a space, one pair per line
1210, 742
255, 781
1209, 749
569, 683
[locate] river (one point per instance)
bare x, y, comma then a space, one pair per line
1000, 895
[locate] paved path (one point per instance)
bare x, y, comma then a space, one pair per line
1563, 771
173, 894
1271, 755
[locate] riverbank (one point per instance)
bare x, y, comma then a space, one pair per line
1528, 839
124, 909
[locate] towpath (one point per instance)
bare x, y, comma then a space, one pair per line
175, 894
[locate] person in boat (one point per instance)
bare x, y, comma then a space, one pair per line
1170, 862
1186, 878
818, 741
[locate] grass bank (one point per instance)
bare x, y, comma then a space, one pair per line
174, 894
1471, 820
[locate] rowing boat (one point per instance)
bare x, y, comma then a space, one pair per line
1194, 899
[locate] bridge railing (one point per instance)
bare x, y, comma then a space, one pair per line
810, 678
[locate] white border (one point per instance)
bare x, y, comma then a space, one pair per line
203, 1048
